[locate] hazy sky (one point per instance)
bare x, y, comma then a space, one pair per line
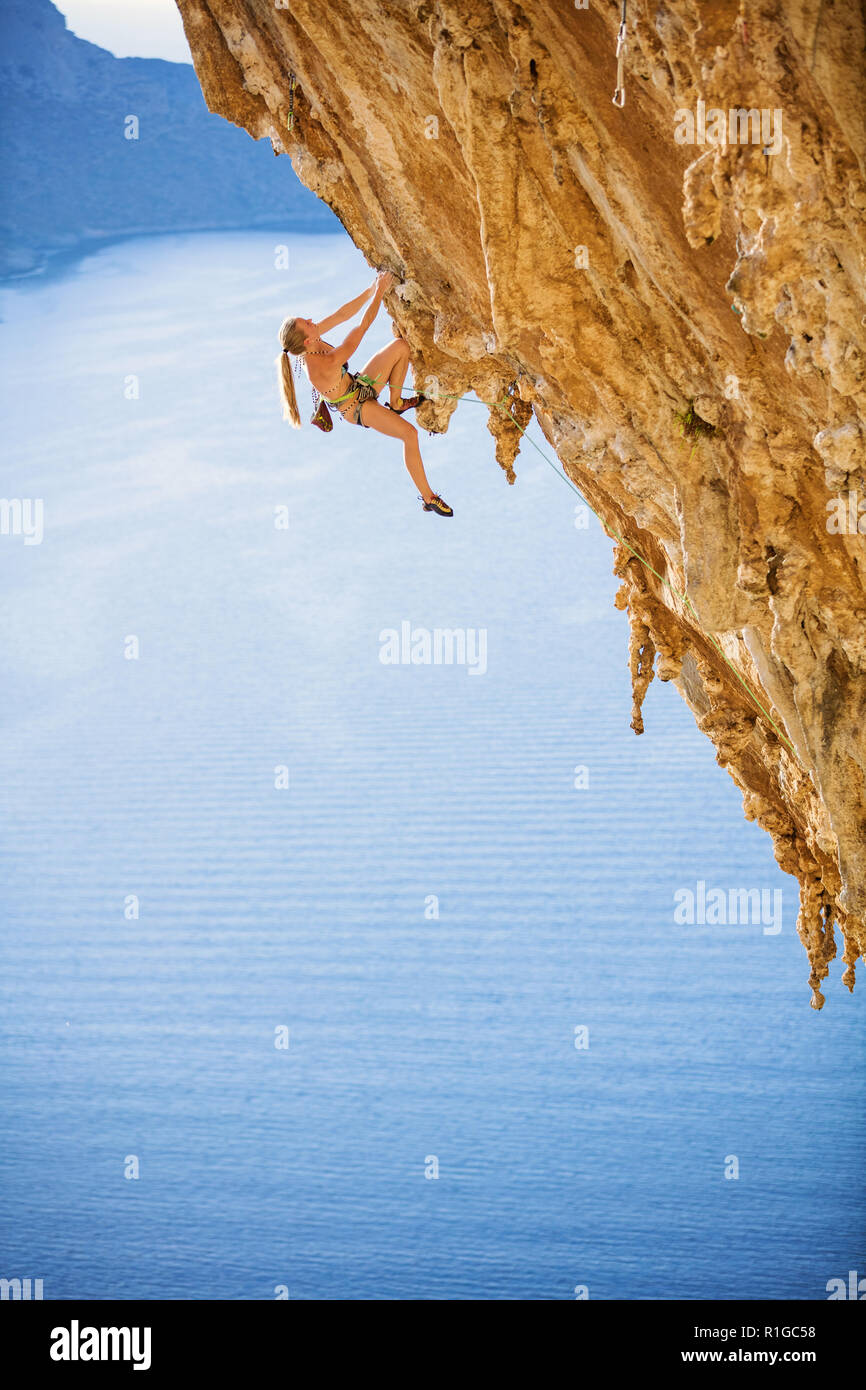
129, 28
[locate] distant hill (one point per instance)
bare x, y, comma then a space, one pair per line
68, 173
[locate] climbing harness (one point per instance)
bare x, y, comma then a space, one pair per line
619, 94
362, 379
321, 414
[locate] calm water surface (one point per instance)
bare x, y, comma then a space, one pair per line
414, 1040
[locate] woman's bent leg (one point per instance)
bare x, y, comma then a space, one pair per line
390, 366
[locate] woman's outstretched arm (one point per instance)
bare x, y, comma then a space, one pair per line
348, 311
384, 281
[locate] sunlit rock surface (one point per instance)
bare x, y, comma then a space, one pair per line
674, 289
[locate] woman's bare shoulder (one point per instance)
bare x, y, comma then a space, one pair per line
318, 359
323, 363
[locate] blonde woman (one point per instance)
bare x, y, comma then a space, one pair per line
354, 394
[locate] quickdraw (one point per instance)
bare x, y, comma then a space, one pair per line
619, 94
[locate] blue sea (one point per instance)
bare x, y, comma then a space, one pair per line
329, 978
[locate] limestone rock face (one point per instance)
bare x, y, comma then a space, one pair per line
675, 289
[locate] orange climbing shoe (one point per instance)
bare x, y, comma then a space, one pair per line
436, 505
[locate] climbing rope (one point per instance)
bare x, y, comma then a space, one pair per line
619, 94
502, 406
290, 121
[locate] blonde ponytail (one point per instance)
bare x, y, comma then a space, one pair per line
291, 341
287, 391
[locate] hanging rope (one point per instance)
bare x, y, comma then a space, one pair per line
619, 94
290, 122
503, 407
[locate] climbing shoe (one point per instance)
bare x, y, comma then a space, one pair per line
437, 505
406, 403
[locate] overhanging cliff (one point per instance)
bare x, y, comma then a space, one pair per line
693, 260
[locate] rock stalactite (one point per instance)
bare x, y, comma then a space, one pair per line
621, 274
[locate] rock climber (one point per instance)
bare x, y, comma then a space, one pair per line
354, 394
